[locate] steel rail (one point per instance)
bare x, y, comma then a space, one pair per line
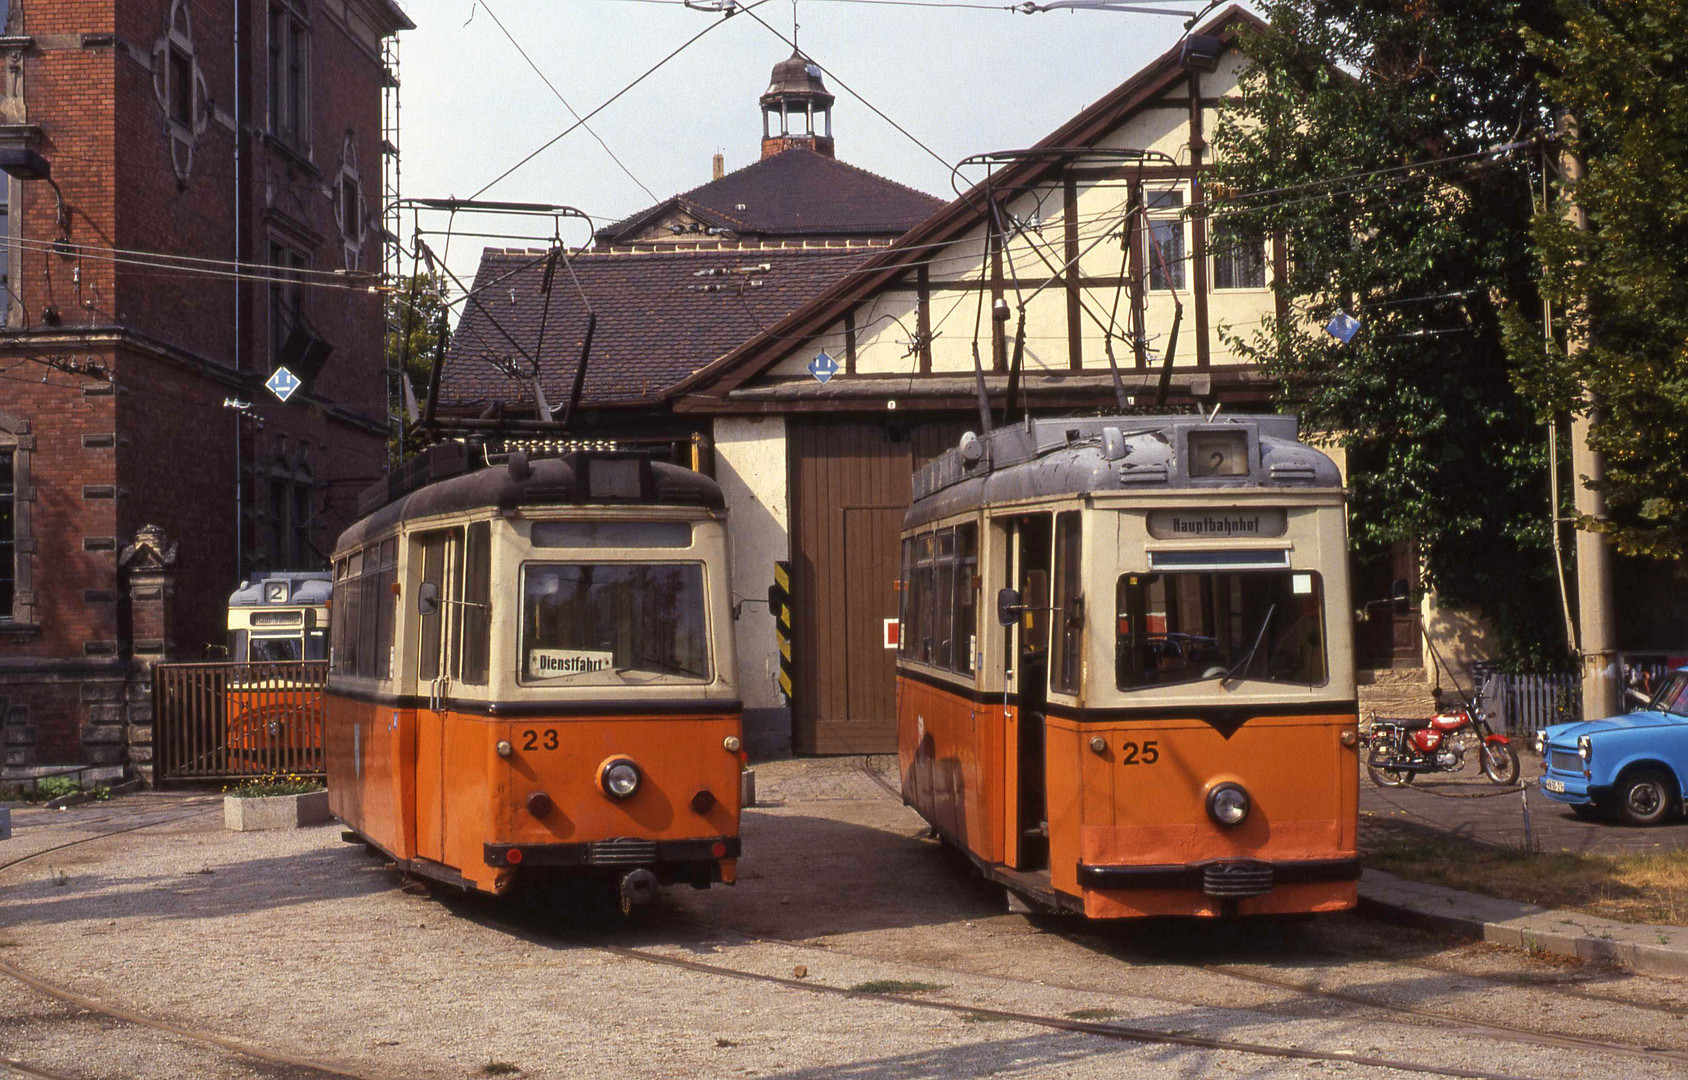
1475, 1028
94, 1005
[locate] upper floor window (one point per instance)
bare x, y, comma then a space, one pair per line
17, 545
179, 85
1238, 263
1166, 239
290, 73
350, 209
8, 543
287, 295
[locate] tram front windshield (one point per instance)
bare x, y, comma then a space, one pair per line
266, 649
613, 622
1192, 626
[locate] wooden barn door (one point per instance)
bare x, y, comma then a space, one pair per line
849, 489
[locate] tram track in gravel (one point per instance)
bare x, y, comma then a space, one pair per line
1476, 1028
306, 1068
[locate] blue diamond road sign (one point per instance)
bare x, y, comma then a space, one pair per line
1343, 327
283, 383
823, 367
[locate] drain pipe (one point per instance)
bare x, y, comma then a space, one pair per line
240, 14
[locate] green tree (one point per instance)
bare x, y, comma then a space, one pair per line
1363, 136
414, 309
1620, 67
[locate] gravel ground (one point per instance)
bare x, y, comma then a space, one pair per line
302, 944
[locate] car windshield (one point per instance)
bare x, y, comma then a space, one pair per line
1673, 695
266, 649
617, 623
1184, 627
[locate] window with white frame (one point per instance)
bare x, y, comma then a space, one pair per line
290, 74
350, 209
1166, 239
1238, 262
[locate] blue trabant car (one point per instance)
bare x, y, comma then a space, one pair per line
1635, 764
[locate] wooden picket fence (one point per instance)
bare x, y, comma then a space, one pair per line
1524, 704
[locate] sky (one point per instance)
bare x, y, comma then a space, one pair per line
961, 79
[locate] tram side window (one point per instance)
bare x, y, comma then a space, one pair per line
348, 600
433, 572
966, 596
1069, 604
939, 598
477, 603
363, 613
1188, 627
943, 592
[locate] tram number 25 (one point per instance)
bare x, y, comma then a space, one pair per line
531, 739
1131, 754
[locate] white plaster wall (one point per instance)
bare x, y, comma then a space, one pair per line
750, 465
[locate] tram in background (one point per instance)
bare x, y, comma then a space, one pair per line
280, 616
278, 632
532, 674
1125, 681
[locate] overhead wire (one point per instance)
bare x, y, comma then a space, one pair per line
748, 10
559, 95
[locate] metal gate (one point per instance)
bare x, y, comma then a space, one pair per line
228, 721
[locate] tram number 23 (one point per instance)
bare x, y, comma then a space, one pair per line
1132, 754
536, 740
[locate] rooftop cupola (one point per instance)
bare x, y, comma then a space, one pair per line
797, 109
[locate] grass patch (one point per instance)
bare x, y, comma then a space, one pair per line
1651, 888
982, 1018
1092, 1014
499, 1068
894, 986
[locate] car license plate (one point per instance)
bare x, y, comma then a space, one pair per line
1553, 785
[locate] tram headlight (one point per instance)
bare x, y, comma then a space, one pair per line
619, 777
504, 748
1228, 804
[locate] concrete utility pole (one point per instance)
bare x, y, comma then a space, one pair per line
1601, 680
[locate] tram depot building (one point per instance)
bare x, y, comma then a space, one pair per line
853, 359
134, 127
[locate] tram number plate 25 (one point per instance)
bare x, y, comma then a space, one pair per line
533, 739
1131, 753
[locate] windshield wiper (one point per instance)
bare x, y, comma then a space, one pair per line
1242, 665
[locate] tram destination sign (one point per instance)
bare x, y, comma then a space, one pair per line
1216, 524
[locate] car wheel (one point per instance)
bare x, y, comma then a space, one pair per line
1646, 797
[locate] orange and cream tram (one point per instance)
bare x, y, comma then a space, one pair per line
532, 675
1125, 679
278, 633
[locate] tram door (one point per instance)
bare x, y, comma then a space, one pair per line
1031, 543
441, 558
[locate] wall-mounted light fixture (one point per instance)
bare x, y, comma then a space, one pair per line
23, 163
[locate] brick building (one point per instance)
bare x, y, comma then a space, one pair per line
150, 146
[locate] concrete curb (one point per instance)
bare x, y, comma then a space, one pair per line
1651, 950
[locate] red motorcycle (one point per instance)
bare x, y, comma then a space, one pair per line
1398, 750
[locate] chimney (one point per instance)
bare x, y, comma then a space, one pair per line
720, 166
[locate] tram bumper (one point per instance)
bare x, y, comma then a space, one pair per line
1222, 879
670, 860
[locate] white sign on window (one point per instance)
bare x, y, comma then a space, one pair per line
554, 663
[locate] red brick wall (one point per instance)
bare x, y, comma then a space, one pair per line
175, 460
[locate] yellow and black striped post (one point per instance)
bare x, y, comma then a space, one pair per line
779, 606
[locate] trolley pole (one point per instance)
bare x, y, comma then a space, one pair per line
1596, 619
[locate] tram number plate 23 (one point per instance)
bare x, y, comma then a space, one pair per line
533, 739
1131, 753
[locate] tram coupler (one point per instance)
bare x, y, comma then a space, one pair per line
638, 887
